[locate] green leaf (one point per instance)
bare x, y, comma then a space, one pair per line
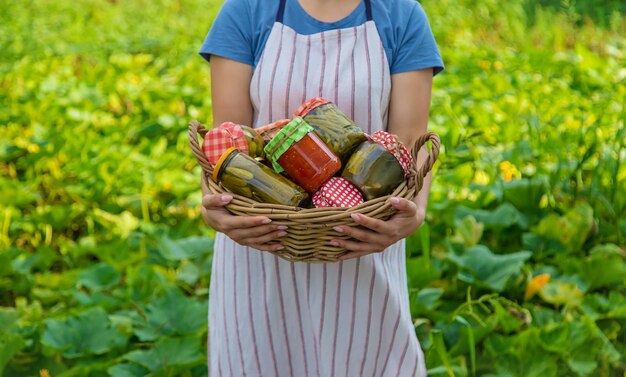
87, 333
169, 355
479, 266
525, 194
127, 370
186, 248
571, 230
520, 356
560, 293
425, 300
11, 342
504, 216
605, 267
99, 276
580, 344
171, 314
421, 271
468, 231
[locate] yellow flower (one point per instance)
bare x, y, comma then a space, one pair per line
509, 171
535, 284
44, 373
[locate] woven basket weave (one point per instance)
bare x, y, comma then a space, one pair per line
310, 229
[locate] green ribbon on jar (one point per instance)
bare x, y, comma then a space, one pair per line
293, 132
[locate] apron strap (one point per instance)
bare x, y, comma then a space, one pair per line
281, 11
368, 10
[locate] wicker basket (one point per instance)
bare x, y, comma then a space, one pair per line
310, 229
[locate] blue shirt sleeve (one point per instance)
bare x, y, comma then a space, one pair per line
231, 35
415, 44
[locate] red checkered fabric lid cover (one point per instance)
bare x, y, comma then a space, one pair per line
309, 105
394, 146
219, 139
268, 131
337, 192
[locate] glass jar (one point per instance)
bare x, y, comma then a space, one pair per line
334, 127
300, 153
374, 170
255, 142
245, 176
229, 134
268, 131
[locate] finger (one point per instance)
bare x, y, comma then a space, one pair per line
264, 239
268, 247
364, 235
371, 223
405, 207
252, 233
238, 222
357, 246
216, 200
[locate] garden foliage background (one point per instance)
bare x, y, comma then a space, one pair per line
520, 269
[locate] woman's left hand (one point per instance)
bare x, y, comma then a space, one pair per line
377, 235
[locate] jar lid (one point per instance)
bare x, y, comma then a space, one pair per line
268, 131
393, 145
337, 192
220, 162
289, 134
219, 139
309, 105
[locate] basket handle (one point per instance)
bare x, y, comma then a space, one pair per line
195, 129
421, 172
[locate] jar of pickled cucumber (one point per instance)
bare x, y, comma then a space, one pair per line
300, 153
229, 134
334, 127
245, 176
378, 166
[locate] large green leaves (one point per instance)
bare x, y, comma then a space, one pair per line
570, 230
479, 266
99, 276
168, 356
11, 342
87, 333
172, 314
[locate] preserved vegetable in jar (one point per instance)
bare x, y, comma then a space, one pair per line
228, 135
245, 176
334, 127
373, 170
300, 153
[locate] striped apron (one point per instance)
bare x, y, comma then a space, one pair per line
269, 317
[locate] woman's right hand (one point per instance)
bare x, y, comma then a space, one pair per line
252, 231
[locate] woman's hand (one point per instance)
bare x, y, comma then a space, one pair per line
379, 234
253, 231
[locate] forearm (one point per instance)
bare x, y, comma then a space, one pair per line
408, 119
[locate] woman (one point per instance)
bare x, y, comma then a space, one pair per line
268, 317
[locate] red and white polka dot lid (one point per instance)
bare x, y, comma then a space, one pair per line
219, 139
394, 146
337, 192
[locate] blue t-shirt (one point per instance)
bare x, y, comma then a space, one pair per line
242, 27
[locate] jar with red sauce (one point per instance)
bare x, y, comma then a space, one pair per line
300, 153
334, 127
